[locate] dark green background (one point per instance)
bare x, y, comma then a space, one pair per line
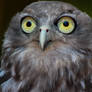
8, 8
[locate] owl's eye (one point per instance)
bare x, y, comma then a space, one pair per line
28, 24
66, 25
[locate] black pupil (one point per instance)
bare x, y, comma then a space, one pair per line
29, 24
66, 23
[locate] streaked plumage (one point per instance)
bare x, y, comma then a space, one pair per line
43, 54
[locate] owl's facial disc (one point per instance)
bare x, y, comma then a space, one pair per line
43, 36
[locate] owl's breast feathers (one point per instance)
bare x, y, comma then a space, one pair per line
57, 70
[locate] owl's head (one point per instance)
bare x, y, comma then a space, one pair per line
49, 30
51, 40
46, 24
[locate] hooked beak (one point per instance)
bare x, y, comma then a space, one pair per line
43, 37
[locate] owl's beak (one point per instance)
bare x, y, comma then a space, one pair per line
43, 37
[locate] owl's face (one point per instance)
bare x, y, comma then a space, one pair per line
45, 23
47, 37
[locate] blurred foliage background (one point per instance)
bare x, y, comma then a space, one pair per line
9, 8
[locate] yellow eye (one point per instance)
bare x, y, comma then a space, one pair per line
66, 25
28, 24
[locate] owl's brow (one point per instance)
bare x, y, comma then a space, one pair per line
66, 13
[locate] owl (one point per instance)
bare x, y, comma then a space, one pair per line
48, 48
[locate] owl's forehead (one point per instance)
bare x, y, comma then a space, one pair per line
48, 9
